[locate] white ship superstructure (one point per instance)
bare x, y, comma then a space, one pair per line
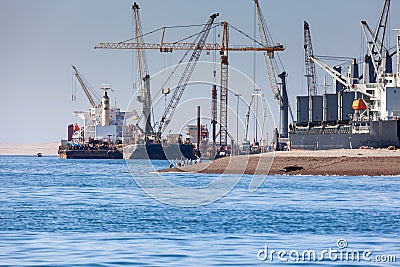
102, 121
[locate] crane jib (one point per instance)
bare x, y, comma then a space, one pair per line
176, 96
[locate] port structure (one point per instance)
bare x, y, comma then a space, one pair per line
178, 92
378, 75
224, 48
224, 85
373, 60
309, 64
375, 42
280, 94
143, 74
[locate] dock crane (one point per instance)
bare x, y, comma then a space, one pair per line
144, 77
375, 44
337, 76
224, 87
310, 65
177, 94
170, 47
166, 47
224, 65
375, 41
85, 88
271, 73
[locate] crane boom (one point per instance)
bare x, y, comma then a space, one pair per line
375, 40
141, 56
169, 47
268, 56
310, 65
376, 57
190, 66
331, 71
380, 31
144, 77
269, 64
85, 89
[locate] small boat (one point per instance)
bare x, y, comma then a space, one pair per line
39, 155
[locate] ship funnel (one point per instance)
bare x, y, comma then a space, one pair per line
105, 113
354, 72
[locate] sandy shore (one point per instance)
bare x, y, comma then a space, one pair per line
47, 149
356, 162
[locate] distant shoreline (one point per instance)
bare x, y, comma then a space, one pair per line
344, 162
47, 149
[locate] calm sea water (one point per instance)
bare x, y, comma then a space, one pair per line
56, 212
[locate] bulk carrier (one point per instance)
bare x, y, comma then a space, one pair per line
100, 137
105, 134
364, 111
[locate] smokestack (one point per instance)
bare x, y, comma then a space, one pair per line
70, 132
105, 115
369, 71
354, 72
388, 63
105, 112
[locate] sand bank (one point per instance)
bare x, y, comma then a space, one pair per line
355, 162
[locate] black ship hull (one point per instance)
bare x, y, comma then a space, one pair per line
89, 154
381, 134
158, 151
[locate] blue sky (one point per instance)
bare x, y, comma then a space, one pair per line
41, 39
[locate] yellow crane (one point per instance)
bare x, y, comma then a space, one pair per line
170, 47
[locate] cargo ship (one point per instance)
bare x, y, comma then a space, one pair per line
158, 151
89, 151
144, 146
364, 110
143, 140
101, 135
105, 134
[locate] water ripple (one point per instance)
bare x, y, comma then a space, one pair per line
81, 212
